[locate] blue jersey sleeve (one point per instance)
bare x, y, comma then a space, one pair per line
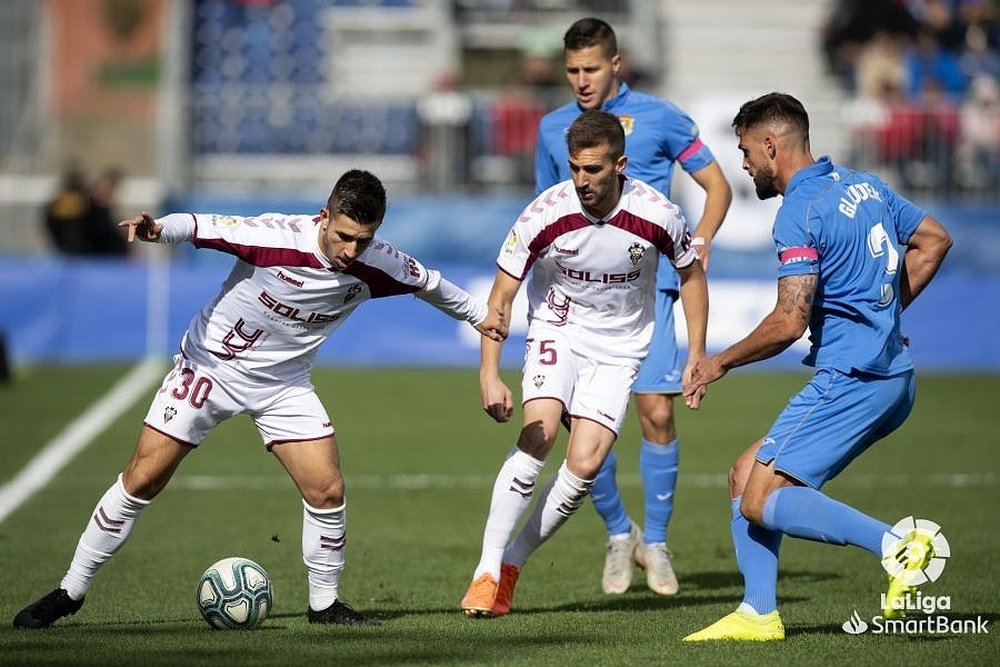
683, 140
906, 214
546, 170
797, 251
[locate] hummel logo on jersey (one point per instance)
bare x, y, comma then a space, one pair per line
635, 253
539, 380
169, 413
569, 252
352, 292
289, 279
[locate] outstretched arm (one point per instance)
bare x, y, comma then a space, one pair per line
718, 196
925, 251
498, 401
451, 299
694, 299
780, 328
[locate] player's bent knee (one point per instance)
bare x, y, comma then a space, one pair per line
325, 497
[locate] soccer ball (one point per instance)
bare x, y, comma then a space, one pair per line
235, 594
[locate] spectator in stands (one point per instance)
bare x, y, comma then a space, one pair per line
102, 236
65, 214
931, 68
516, 112
979, 147
852, 23
80, 220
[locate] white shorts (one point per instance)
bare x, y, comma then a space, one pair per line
588, 389
191, 402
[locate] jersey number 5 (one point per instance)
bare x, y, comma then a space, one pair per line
880, 244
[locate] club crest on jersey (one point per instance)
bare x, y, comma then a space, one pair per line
169, 412
628, 124
635, 253
510, 244
352, 292
225, 221
539, 380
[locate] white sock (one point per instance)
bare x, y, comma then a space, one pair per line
106, 532
511, 496
324, 536
560, 500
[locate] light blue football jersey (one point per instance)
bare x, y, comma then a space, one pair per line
851, 229
658, 134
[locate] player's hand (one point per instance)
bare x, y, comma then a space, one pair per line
698, 376
498, 402
142, 226
494, 326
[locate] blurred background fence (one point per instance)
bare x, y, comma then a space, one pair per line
244, 106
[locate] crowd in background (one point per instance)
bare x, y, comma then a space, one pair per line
925, 81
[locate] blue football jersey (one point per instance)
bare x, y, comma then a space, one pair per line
658, 134
851, 229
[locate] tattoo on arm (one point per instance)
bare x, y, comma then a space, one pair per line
795, 295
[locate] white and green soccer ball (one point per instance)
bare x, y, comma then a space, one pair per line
234, 594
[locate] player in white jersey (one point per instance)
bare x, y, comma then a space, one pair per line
591, 245
251, 350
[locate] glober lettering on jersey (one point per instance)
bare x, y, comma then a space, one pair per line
857, 193
604, 278
293, 313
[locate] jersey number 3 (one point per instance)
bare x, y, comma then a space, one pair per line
880, 244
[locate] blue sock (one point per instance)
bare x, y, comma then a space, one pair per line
804, 512
658, 466
607, 500
757, 557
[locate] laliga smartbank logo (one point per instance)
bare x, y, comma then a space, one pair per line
914, 552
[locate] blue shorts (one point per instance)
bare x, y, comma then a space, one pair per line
832, 420
660, 372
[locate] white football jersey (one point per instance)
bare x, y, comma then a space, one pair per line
594, 279
283, 297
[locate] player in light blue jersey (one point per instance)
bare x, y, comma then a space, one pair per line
658, 135
852, 255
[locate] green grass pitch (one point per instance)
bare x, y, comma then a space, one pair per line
419, 458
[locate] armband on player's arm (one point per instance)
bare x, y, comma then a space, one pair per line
451, 299
177, 228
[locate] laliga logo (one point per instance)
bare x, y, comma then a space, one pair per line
915, 551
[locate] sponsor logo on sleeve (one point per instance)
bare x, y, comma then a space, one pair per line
224, 221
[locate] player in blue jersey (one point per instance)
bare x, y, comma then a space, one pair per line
658, 135
852, 255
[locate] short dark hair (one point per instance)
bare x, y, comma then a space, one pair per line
589, 32
594, 128
771, 108
360, 196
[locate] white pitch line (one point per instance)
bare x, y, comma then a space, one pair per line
77, 435
435, 481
